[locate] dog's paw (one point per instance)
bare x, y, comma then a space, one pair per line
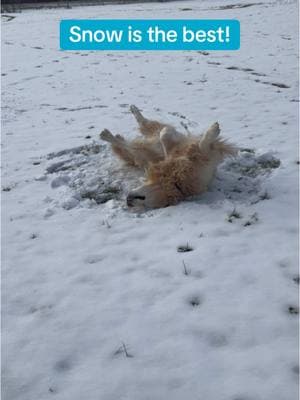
106, 135
119, 138
134, 110
214, 131
215, 127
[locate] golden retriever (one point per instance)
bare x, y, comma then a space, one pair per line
176, 165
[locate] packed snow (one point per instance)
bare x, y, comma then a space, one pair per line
196, 301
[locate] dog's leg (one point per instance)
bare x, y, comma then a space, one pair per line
218, 149
136, 153
170, 138
119, 145
147, 127
138, 115
107, 136
209, 137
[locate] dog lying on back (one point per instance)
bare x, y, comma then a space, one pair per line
176, 165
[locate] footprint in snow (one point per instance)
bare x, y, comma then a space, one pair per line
195, 301
63, 365
93, 259
293, 310
217, 339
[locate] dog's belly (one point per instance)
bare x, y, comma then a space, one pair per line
147, 151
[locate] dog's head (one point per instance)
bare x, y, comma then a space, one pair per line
168, 182
149, 195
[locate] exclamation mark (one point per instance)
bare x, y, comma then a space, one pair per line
227, 38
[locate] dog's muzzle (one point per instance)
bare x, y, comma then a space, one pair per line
131, 198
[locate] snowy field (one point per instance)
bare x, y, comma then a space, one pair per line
103, 303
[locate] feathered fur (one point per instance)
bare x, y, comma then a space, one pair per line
177, 166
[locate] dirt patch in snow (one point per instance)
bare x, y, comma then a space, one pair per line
88, 175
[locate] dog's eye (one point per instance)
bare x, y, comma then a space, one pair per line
140, 197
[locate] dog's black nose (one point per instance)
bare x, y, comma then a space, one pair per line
131, 197
129, 200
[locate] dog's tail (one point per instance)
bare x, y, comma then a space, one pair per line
224, 148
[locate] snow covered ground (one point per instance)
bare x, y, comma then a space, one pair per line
98, 301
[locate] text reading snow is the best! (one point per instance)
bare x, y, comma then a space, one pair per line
153, 34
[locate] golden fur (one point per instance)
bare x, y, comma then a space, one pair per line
176, 165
